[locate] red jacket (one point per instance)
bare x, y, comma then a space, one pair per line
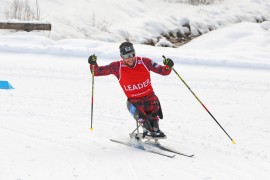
135, 81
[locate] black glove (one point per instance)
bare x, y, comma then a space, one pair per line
168, 62
92, 59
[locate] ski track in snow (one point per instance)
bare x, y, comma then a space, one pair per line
45, 120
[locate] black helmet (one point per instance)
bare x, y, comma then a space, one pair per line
126, 48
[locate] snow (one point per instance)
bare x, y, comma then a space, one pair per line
45, 120
19, 21
140, 20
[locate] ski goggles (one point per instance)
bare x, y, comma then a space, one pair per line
128, 55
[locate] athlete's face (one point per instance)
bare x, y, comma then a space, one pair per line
129, 60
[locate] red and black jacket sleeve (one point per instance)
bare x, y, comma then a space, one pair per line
112, 68
155, 67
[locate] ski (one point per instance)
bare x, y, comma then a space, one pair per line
157, 144
162, 147
141, 147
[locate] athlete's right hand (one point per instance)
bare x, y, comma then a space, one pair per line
92, 59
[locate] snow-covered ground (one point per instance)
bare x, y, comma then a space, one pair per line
139, 20
45, 120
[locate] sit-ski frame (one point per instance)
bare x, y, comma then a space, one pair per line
139, 136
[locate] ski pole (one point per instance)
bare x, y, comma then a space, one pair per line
201, 103
92, 101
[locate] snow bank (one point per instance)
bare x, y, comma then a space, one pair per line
139, 21
242, 45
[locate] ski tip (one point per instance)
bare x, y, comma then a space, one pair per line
91, 129
233, 142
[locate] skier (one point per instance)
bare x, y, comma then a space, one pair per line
133, 74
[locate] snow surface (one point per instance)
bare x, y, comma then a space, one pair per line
140, 20
19, 21
45, 120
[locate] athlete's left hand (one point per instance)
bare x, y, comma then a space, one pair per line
168, 62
